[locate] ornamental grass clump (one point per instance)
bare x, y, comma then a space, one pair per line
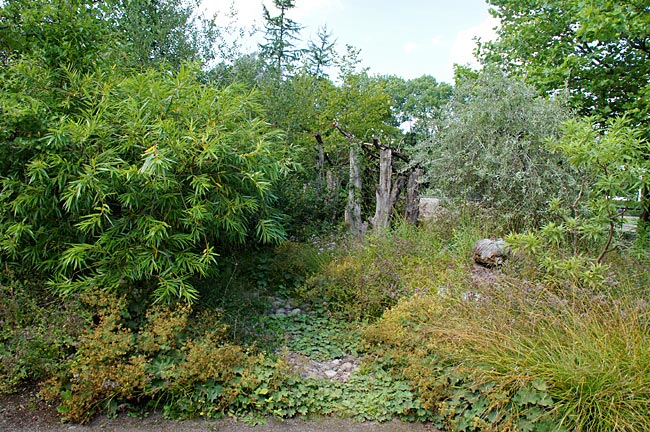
514, 354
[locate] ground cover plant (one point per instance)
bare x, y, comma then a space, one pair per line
525, 347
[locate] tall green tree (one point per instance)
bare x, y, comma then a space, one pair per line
61, 33
82, 34
598, 51
163, 31
321, 53
280, 36
417, 103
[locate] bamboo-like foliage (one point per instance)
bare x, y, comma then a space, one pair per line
138, 183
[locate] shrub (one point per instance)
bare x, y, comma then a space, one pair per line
489, 148
131, 182
37, 331
158, 362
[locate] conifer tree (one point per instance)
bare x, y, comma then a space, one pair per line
281, 35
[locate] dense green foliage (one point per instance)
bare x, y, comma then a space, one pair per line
596, 52
84, 34
612, 165
143, 191
489, 147
143, 185
541, 344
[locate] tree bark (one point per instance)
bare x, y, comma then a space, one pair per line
353, 208
397, 190
383, 204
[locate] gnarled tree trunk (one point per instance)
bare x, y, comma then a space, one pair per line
353, 208
383, 204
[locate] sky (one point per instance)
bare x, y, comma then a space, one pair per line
407, 38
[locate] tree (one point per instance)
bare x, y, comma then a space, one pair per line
281, 33
417, 100
321, 53
82, 34
417, 103
62, 33
598, 51
490, 147
159, 31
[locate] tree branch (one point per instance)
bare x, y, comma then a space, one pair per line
375, 143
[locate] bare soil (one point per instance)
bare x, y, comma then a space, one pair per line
26, 412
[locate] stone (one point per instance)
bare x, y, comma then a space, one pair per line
281, 311
490, 252
429, 209
295, 311
330, 373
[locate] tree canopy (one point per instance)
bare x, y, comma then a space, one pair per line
599, 50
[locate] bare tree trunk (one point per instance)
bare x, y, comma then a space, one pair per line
397, 190
412, 211
383, 205
353, 208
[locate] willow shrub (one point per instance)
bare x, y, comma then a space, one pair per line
489, 147
135, 182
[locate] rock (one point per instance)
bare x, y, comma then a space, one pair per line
346, 366
330, 373
430, 209
490, 252
281, 311
295, 311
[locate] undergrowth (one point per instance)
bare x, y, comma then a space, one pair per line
370, 276
547, 342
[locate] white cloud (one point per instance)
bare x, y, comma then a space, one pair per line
462, 49
436, 41
409, 47
250, 11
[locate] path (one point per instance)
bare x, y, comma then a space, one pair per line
25, 413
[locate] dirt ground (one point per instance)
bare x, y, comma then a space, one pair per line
25, 412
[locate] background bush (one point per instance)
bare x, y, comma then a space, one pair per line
489, 147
